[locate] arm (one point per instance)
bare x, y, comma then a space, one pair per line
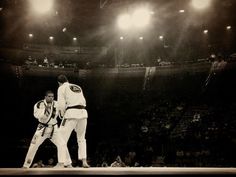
57, 111
39, 111
61, 102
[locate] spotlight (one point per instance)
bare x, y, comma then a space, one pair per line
205, 31
64, 30
200, 4
31, 35
124, 21
141, 37
141, 17
41, 6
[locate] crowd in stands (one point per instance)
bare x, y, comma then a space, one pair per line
172, 134
159, 130
86, 64
45, 62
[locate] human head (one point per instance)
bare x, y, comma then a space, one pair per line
49, 96
220, 57
51, 161
61, 79
118, 159
40, 162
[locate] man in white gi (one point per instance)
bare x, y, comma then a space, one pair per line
71, 105
46, 112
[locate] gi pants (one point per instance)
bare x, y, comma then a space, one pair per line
42, 133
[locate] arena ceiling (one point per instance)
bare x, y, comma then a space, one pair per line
94, 21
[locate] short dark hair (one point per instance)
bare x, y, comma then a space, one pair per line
48, 92
62, 78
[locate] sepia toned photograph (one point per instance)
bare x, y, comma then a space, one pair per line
118, 87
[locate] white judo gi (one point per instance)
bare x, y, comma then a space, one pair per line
71, 104
47, 128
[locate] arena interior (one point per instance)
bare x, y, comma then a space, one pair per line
158, 77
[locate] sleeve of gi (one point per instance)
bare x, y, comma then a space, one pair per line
57, 111
61, 102
39, 111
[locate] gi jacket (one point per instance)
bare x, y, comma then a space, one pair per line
46, 114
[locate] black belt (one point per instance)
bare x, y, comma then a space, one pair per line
76, 107
45, 126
